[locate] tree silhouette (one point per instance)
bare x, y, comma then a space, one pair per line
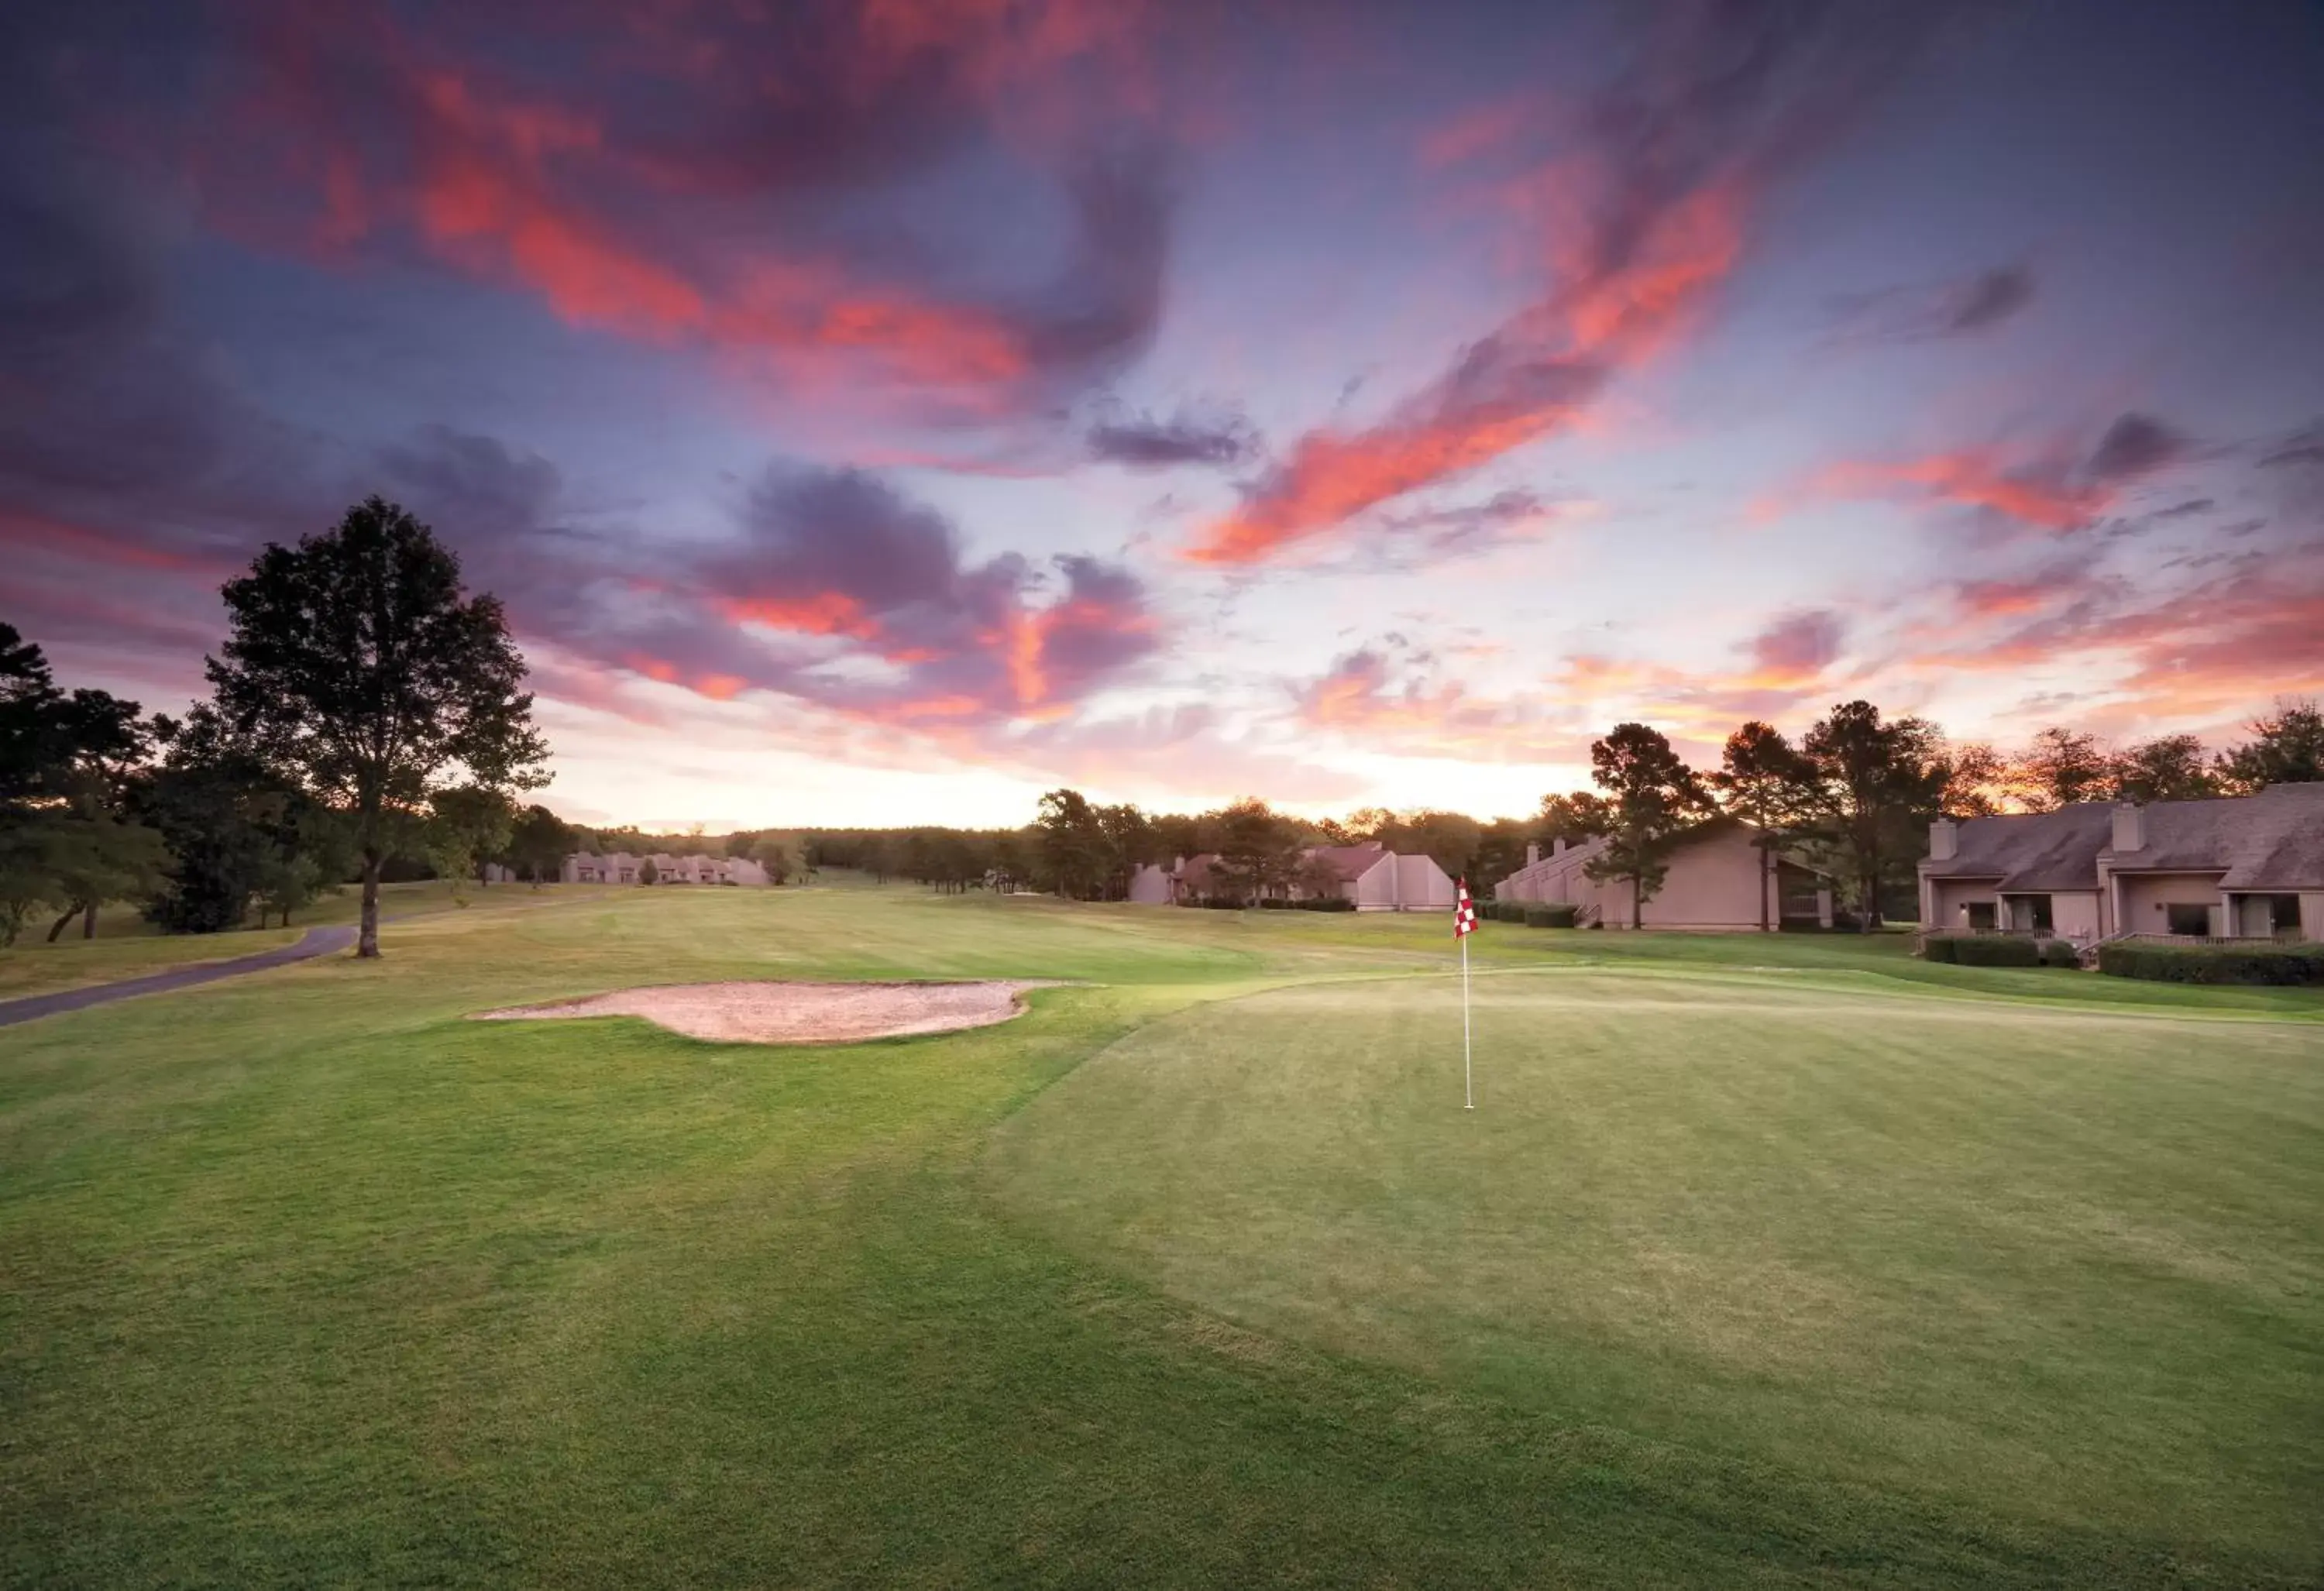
357, 661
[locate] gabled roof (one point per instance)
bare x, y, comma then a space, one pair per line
1709, 828
2036, 851
1350, 862
2271, 841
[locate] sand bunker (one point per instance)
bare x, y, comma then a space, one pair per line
795, 1013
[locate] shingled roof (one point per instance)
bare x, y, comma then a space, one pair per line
1350, 862
2033, 850
2271, 841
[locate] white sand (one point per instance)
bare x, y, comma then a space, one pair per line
795, 1013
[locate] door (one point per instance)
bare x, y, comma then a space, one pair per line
1980, 916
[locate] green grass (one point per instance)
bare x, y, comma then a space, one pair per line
127, 946
31, 968
1191, 1276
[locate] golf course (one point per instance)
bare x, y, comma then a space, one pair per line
1762, 1260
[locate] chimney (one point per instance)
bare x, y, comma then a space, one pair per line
1533, 851
1557, 847
2129, 827
1944, 839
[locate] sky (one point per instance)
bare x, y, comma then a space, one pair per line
881, 411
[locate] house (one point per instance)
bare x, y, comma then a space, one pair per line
618, 867
1374, 877
1716, 873
621, 868
2246, 867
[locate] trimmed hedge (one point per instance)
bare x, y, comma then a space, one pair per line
1998, 950
2271, 964
1326, 903
1995, 949
1551, 915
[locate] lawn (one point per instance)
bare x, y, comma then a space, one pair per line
1197, 1274
127, 946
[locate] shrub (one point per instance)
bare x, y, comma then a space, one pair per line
1270, 902
1326, 903
2060, 952
1550, 914
1937, 947
1995, 949
2224, 963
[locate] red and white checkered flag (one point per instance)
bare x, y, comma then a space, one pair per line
1464, 912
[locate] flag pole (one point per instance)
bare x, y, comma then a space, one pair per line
1465, 923
1468, 1085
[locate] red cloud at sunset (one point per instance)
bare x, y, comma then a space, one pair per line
829, 612
2043, 491
841, 592
1639, 227
1972, 478
674, 195
1535, 376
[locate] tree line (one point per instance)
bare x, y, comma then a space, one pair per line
1853, 796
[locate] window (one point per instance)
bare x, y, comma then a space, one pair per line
1980, 916
2030, 911
2188, 917
2284, 916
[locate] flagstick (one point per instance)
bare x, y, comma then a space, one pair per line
1468, 1086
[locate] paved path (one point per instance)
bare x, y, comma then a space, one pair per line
319, 941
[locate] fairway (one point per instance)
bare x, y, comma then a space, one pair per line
1763, 1262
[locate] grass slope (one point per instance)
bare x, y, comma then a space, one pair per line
309, 1280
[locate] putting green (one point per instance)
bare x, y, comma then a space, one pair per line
2065, 1266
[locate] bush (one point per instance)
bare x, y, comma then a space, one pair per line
1274, 903
1995, 949
1326, 903
1550, 914
1937, 947
2269, 964
2060, 952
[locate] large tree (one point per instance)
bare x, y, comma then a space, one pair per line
1449, 839
31, 707
2285, 750
539, 842
1075, 856
1763, 780
68, 762
2170, 767
357, 661
1258, 851
2060, 768
466, 826
1584, 814
1872, 783
1652, 797
1977, 779
1130, 843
